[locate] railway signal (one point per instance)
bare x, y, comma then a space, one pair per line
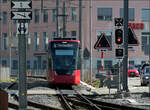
119, 52
21, 4
21, 15
118, 21
132, 39
102, 42
118, 36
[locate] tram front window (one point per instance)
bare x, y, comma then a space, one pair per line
64, 59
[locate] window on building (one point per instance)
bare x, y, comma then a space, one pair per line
64, 11
107, 64
36, 41
35, 64
99, 65
146, 42
146, 14
45, 41
28, 41
4, 37
15, 64
44, 63
14, 21
53, 15
4, 63
4, 1
73, 34
45, 15
28, 64
131, 62
53, 35
36, 16
73, 14
131, 14
104, 13
14, 34
4, 17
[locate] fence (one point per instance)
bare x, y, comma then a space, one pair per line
4, 73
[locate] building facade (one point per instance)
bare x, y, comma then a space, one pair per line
103, 14
97, 17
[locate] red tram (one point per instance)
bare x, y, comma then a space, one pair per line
63, 61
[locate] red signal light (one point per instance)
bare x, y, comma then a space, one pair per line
119, 39
119, 36
99, 45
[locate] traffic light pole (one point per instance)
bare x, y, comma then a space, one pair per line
125, 60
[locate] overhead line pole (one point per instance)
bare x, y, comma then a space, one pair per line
125, 60
57, 12
90, 34
80, 37
64, 20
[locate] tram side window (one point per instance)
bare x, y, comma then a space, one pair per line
49, 63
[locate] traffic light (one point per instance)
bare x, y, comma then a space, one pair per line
119, 52
118, 36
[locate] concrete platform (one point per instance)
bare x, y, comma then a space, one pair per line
55, 92
133, 85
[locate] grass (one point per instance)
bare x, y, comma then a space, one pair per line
95, 83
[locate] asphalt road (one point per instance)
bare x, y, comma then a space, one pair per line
134, 85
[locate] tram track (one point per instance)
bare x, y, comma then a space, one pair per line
78, 102
81, 102
74, 101
31, 104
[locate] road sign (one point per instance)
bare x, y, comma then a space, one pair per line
22, 28
21, 15
21, 4
102, 42
132, 39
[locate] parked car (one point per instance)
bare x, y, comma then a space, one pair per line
145, 75
132, 71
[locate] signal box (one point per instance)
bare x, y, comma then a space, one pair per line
118, 36
119, 52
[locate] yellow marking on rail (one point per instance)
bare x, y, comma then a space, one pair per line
8, 80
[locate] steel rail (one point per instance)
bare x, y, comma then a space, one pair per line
112, 106
11, 85
63, 101
32, 104
92, 105
12, 105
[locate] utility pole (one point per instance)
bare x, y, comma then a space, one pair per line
125, 60
64, 20
41, 5
21, 6
80, 38
57, 12
90, 33
22, 71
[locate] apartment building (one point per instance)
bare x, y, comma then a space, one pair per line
97, 17
102, 20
